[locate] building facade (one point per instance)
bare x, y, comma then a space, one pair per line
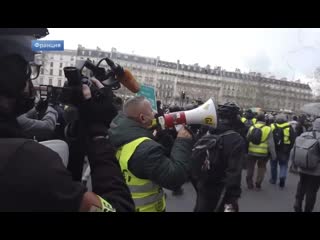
171, 78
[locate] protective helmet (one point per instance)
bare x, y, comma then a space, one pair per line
229, 109
18, 41
15, 55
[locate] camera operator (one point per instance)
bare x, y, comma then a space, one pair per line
33, 177
40, 122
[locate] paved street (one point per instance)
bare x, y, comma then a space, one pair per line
269, 199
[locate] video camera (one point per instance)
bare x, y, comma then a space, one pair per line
71, 93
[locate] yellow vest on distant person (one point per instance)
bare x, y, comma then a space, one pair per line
244, 120
286, 131
262, 148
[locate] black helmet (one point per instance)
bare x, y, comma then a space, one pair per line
18, 41
15, 54
190, 106
249, 111
174, 108
229, 109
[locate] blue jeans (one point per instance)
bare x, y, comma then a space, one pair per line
282, 160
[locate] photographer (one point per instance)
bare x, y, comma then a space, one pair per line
33, 177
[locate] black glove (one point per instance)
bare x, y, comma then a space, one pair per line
97, 114
99, 108
42, 106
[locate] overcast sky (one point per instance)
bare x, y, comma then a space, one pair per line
292, 53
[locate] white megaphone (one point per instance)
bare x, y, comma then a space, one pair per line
205, 114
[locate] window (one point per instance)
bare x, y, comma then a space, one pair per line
51, 71
59, 83
42, 70
50, 81
61, 65
51, 64
41, 80
60, 72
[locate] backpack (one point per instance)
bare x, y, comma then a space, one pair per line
248, 123
278, 136
205, 154
306, 152
255, 135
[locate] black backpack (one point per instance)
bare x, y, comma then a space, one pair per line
248, 123
278, 136
205, 153
256, 135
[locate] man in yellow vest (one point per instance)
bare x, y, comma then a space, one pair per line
143, 161
284, 138
248, 119
259, 150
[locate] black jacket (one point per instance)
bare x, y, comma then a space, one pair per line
107, 179
33, 177
226, 173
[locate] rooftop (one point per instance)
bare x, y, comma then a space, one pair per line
95, 53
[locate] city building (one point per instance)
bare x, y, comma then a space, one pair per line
171, 78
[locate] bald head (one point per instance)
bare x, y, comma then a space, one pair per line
139, 109
133, 106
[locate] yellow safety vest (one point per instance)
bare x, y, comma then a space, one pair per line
262, 148
286, 131
254, 120
147, 196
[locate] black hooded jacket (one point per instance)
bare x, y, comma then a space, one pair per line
226, 173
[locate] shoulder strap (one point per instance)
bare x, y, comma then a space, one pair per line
262, 126
128, 149
229, 132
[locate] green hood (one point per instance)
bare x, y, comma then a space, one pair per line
123, 130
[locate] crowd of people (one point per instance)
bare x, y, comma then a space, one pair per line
129, 158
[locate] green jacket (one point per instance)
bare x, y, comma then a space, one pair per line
149, 160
